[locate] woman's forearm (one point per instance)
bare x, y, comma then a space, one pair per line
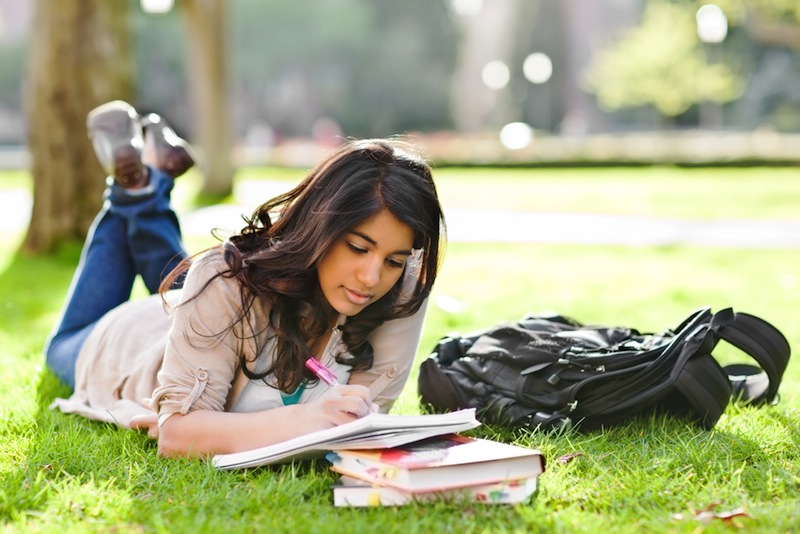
207, 432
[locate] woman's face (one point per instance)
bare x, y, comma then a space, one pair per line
365, 264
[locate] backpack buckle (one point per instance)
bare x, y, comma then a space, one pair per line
572, 405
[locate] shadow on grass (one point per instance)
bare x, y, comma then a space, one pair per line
32, 290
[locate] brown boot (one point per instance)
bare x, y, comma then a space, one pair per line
163, 149
116, 134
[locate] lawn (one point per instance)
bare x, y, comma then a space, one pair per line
62, 473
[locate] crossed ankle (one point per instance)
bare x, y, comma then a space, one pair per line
129, 171
126, 144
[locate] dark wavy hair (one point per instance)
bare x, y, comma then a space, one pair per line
275, 255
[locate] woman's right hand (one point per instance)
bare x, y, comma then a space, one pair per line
341, 404
207, 432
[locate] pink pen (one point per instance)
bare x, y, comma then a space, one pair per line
322, 372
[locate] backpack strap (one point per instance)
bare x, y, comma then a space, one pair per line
649, 381
761, 341
704, 390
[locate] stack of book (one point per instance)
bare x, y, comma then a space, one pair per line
451, 467
397, 459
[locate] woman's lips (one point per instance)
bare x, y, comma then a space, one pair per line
357, 297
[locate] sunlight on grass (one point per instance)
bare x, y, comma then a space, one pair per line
651, 191
15, 179
75, 501
17, 409
651, 474
9, 243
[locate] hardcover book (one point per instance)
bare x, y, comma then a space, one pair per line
348, 491
439, 463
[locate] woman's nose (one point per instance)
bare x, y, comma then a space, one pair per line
369, 273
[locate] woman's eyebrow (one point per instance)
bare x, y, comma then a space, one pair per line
371, 241
364, 236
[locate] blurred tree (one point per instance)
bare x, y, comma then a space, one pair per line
286, 80
160, 50
375, 67
771, 22
661, 63
583, 25
79, 57
397, 78
580, 26
12, 67
771, 31
487, 35
183, 57
206, 24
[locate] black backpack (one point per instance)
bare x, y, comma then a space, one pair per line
552, 371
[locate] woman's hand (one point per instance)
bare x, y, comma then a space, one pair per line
148, 421
206, 432
340, 404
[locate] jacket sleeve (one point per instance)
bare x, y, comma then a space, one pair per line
201, 360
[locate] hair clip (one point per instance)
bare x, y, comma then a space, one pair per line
416, 256
411, 274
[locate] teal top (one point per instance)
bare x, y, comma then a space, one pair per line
292, 398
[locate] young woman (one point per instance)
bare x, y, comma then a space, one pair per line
338, 269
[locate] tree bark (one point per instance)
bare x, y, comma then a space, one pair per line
486, 36
582, 33
775, 33
206, 24
79, 58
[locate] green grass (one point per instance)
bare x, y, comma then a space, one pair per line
649, 191
63, 473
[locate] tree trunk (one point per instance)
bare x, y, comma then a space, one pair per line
582, 32
79, 58
486, 36
206, 24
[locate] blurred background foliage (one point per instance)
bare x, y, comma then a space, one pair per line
472, 82
373, 68
661, 63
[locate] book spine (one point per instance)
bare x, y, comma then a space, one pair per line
366, 495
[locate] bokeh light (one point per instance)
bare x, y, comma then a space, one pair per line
466, 7
516, 135
537, 68
157, 7
495, 75
712, 24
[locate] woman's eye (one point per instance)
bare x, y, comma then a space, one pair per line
395, 263
356, 249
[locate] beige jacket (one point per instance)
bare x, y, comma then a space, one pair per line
142, 350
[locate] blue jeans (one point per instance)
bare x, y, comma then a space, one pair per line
135, 233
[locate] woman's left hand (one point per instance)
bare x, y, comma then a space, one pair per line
147, 421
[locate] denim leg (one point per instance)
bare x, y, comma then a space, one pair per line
103, 280
136, 232
153, 231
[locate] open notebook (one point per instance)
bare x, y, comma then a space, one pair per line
374, 431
